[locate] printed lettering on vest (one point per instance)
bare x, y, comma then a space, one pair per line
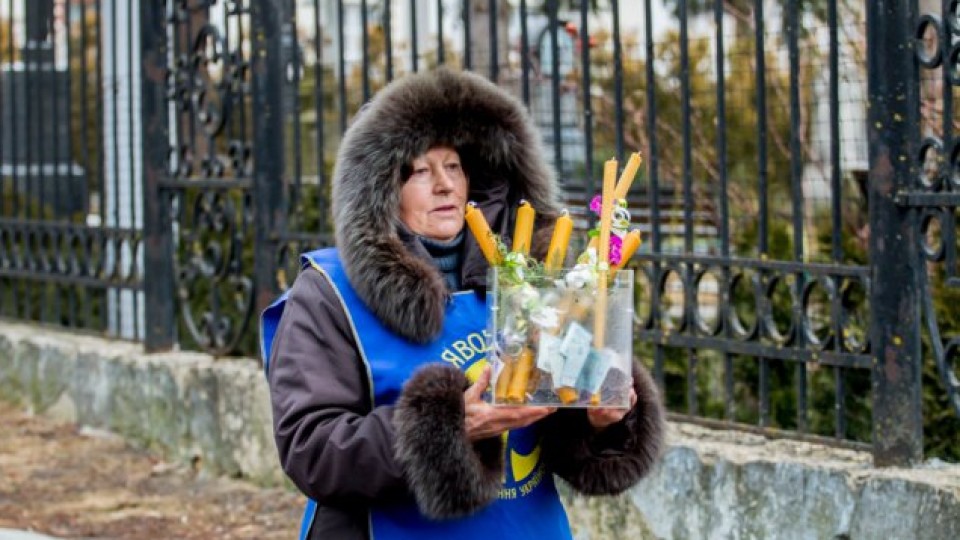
461, 352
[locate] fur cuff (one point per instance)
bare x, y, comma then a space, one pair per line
449, 476
612, 461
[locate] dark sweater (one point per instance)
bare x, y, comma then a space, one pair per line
448, 257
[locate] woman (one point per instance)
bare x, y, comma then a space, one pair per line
371, 354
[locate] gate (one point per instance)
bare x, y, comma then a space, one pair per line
225, 195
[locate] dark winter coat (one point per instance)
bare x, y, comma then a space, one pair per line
338, 449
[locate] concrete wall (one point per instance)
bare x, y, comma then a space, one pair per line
711, 484
186, 406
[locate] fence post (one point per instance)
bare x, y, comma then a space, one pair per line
273, 36
158, 280
894, 244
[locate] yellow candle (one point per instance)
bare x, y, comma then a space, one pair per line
606, 210
599, 321
603, 254
502, 385
600, 312
626, 178
557, 251
517, 388
566, 394
481, 231
630, 244
523, 230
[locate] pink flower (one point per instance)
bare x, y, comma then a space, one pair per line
615, 244
596, 204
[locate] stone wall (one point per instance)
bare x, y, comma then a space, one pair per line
186, 406
711, 484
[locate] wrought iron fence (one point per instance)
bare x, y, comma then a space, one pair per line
70, 191
164, 162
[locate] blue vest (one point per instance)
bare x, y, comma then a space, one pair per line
528, 506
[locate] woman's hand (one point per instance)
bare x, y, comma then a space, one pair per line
600, 419
484, 420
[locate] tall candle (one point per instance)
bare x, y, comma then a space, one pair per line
523, 230
626, 178
606, 210
630, 244
557, 251
603, 254
481, 231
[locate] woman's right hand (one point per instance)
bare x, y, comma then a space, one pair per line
484, 421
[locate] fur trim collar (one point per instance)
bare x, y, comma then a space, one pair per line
500, 150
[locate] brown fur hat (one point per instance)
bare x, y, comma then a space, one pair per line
501, 152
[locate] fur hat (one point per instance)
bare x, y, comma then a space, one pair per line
501, 152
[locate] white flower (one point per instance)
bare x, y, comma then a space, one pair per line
581, 276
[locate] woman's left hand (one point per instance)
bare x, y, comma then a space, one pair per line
600, 419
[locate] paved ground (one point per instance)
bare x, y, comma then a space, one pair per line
60, 481
10, 534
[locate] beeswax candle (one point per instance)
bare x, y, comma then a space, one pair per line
557, 251
523, 230
517, 390
606, 210
626, 178
567, 395
603, 257
502, 385
481, 231
630, 244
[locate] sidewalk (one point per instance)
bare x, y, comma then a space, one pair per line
70, 483
10, 534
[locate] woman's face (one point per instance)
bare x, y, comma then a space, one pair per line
433, 199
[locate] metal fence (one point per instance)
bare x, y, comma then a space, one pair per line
162, 163
70, 197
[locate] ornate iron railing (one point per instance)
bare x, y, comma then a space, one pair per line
162, 163
932, 193
70, 194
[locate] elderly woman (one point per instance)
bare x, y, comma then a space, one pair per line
376, 357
